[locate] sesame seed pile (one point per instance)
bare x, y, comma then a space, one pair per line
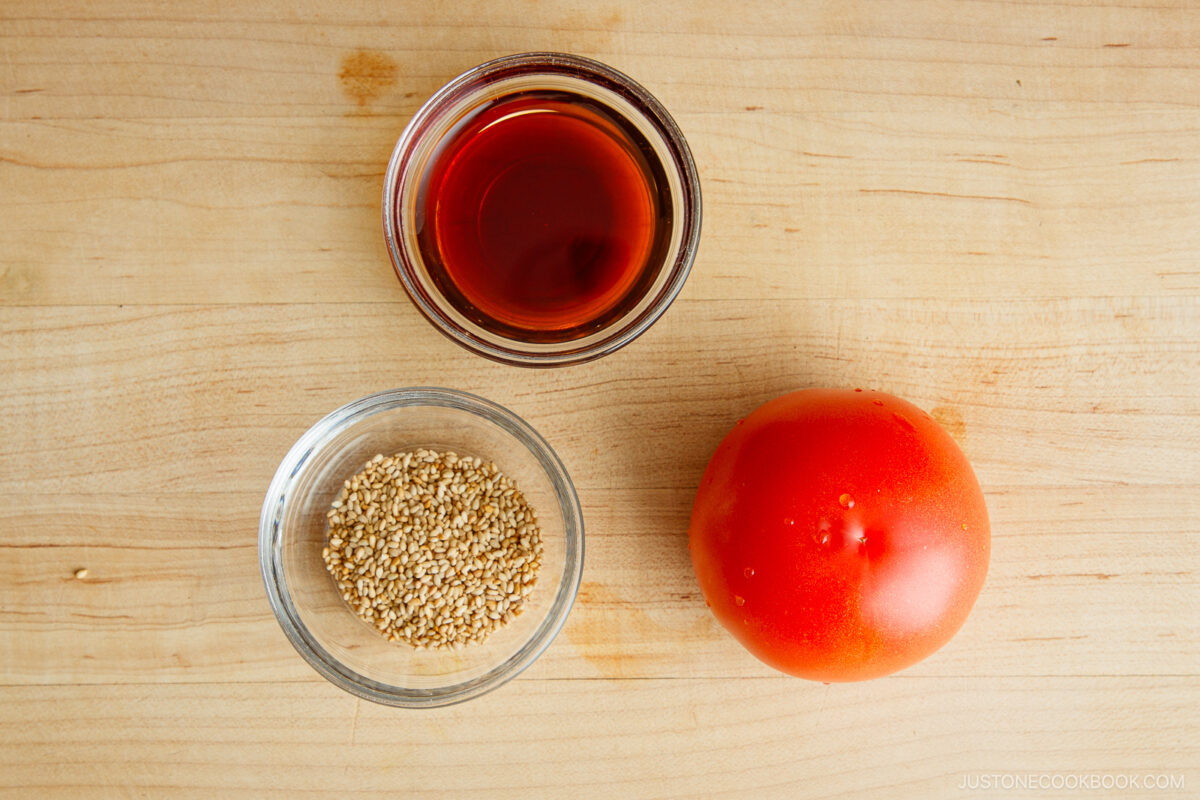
433, 549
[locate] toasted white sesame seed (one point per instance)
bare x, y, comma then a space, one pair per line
433, 549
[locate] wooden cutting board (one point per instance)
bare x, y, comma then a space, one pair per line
991, 209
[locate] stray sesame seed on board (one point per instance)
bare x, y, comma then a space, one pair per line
414, 536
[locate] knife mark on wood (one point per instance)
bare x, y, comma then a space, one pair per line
1020, 200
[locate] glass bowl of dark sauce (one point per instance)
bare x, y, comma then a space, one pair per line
542, 209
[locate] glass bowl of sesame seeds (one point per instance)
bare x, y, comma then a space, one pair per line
421, 547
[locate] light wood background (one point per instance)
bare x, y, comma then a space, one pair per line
989, 208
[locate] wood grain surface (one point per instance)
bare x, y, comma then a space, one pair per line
989, 208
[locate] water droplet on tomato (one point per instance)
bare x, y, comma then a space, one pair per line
740, 421
739, 601
964, 526
877, 402
748, 572
846, 501
857, 389
789, 521
903, 422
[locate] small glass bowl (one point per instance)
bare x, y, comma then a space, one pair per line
419, 143
305, 599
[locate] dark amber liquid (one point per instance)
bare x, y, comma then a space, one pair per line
544, 216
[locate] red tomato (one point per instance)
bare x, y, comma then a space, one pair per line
840, 535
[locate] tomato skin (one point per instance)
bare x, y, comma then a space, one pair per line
840, 535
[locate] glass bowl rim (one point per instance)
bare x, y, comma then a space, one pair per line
679, 162
270, 549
